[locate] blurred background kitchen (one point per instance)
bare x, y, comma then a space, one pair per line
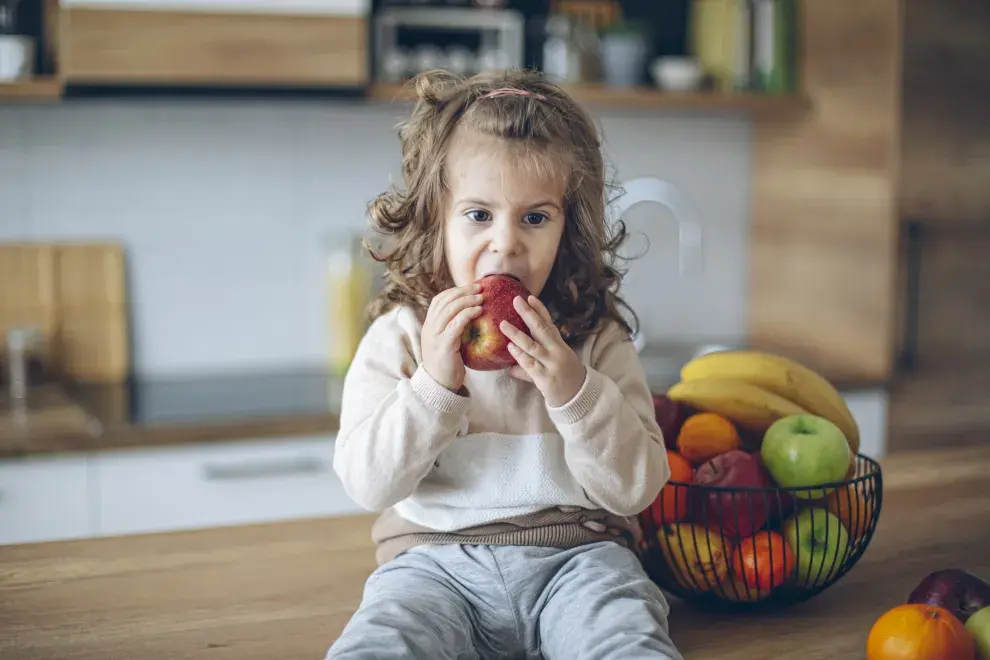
183, 184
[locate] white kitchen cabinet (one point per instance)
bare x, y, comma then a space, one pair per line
219, 484
312, 7
869, 409
45, 498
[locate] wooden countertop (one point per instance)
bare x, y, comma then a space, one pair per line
286, 590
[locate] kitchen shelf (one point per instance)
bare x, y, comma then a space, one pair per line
51, 88
646, 98
45, 88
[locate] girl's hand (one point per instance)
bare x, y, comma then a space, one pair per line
545, 359
449, 313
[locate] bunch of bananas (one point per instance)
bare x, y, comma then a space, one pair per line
754, 389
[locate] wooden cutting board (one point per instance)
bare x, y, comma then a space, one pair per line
75, 295
92, 340
28, 294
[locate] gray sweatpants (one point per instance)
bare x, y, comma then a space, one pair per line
478, 601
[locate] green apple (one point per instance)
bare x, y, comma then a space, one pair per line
801, 451
819, 542
979, 625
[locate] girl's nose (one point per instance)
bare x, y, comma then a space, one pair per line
506, 237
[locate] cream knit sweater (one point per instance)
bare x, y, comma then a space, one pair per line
498, 465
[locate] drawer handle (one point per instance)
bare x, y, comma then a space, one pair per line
262, 469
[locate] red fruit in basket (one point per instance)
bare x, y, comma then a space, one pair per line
763, 561
672, 504
670, 415
735, 513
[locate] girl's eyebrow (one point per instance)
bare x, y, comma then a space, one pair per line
481, 202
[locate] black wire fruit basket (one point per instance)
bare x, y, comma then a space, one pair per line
733, 548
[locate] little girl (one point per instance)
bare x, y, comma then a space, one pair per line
507, 498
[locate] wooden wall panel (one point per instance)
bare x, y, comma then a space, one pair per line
940, 408
946, 141
946, 187
954, 320
824, 228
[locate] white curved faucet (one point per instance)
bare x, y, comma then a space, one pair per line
650, 189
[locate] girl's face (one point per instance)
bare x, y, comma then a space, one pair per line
500, 217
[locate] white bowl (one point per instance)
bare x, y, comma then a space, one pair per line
676, 74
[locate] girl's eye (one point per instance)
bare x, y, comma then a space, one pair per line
535, 219
478, 216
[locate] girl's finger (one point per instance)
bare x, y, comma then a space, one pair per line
452, 333
444, 297
454, 307
543, 332
525, 361
537, 304
520, 373
521, 340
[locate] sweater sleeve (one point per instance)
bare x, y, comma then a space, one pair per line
395, 419
613, 444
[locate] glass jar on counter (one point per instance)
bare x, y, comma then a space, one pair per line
570, 52
349, 290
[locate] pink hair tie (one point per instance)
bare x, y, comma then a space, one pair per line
512, 91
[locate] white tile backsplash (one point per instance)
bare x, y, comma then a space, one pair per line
223, 206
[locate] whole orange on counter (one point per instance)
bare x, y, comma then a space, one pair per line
672, 504
919, 632
705, 435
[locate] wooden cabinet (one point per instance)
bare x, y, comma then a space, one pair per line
216, 44
824, 229
944, 194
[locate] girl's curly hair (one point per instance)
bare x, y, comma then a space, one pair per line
581, 290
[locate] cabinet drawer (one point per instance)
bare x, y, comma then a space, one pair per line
44, 499
155, 46
186, 487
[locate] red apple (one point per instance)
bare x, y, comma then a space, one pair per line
957, 590
781, 502
735, 513
670, 415
484, 347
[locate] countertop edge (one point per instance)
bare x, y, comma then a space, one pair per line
126, 437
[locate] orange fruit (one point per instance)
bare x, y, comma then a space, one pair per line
672, 504
705, 435
919, 632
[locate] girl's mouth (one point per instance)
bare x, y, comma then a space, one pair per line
503, 274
